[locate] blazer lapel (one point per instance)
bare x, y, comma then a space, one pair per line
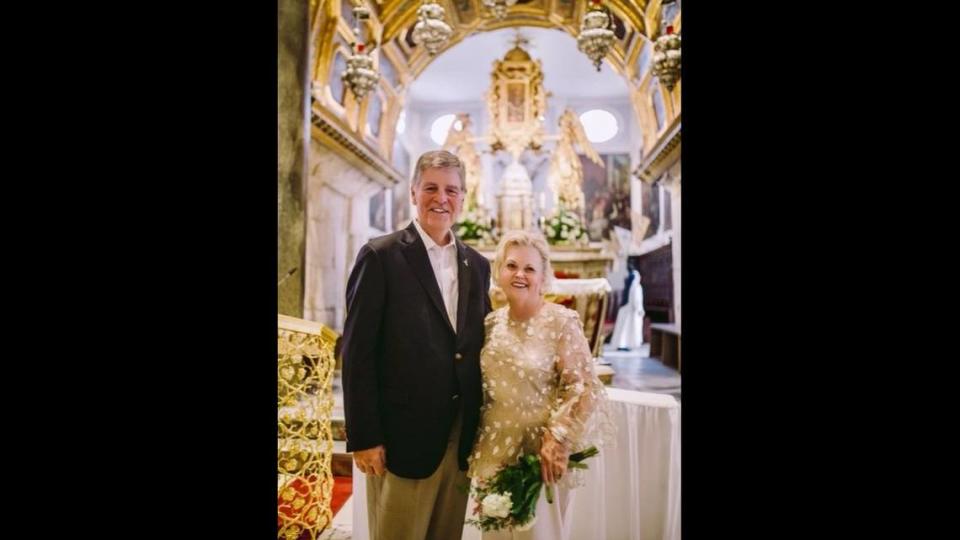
416, 254
463, 280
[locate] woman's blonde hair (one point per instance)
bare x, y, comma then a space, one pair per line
524, 239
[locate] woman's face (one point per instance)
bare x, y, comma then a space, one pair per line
521, 274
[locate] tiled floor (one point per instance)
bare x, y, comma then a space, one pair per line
634, 371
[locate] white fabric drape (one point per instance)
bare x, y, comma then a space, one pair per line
631, 491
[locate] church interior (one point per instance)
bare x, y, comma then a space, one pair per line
567, 115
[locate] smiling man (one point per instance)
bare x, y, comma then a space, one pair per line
416, 301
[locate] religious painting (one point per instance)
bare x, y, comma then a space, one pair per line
606, 192
650, 200
378, 211
515, 93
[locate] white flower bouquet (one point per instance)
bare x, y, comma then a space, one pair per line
508, 500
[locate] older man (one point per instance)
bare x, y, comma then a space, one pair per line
416, 301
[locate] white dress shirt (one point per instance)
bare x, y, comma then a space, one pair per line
443, 259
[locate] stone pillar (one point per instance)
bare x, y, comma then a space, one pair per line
673, 184
292, 130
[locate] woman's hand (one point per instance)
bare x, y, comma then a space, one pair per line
553, 458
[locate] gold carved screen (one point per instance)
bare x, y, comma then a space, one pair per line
305, 366
516, 103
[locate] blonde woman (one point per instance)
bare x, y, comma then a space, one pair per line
540, 393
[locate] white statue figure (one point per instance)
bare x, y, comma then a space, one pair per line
628, 331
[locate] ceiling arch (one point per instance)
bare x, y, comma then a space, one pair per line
468, 17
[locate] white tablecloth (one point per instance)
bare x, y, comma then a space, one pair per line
632, 490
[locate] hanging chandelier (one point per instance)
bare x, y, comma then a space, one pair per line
360, 74
596, 33
666, 58
499, 7
431, 30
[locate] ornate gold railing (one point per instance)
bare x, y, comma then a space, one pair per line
305, 366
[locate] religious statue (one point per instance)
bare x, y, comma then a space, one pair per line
460, 142
566, 172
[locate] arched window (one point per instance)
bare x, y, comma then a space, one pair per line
440, 127
599, 125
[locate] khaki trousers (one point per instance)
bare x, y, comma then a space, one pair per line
429, 509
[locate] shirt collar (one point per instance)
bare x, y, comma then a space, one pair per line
428, 240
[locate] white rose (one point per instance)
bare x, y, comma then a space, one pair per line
496, 505
563, 233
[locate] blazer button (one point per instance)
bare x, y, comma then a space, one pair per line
458, 356
455, 396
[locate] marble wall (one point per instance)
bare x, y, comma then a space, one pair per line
338, 224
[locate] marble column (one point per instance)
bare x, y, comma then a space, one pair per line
673, 184
292, 130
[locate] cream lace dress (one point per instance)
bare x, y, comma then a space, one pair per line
537, 375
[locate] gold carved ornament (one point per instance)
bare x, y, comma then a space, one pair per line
305, 365
516, 103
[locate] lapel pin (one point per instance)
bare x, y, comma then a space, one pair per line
465, 263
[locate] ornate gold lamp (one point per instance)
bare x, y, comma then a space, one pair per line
596, 33
360, 75
431, 30
666, 58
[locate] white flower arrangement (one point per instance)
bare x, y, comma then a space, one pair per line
564, 228
472, 227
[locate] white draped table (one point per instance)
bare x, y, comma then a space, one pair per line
631, 491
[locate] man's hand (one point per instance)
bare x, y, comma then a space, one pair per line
372, 460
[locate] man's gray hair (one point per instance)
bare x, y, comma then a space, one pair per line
438, 159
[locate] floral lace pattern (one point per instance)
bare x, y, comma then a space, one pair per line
537, 375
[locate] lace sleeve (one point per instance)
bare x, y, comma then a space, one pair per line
581, 415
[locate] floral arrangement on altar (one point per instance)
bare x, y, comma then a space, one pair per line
565, 227
472, 227
509, 499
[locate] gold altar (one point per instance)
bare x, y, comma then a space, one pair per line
305, 366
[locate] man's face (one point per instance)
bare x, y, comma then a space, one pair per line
438, 197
